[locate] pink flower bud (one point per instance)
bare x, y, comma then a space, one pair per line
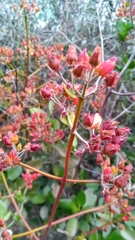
99, 159
106, 67
71, 56
110, 149
84, 58
112, 79
95, 58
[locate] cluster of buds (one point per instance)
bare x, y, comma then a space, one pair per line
40, 129
24, 5
98, 101
13, 158
126, 10
6, 55
4, 233
29, 178
109, 137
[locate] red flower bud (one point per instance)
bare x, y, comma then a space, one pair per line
46, 93
71, 56
107, 134
106, 67
112, 79
122, 181
7, 141
34, 147
110, 149
125, 218
54, 63
95, 58
88, 120
80, 70
122, 131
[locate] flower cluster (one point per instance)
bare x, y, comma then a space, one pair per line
24, 5
4, 233
29, 178
13, 158
40, 129
6, 55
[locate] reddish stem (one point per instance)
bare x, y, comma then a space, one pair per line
63, 182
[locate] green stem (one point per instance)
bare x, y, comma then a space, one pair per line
67, 160
28, 48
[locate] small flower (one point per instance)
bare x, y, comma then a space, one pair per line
122, 181
84, 58
106, 67
54, 63
80, 69
107, 174
99, 159
110, 149
112, 79
125, 218
97, 121
88, 119
107, 134
46, 93
95, 58
122, 131
71, 56
35, 147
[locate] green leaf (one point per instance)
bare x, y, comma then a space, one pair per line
36, 163
68, 204
115, 235
127, 234
61, 149
34, 109
75, 143
64, 120
1, 74
96, 236
106, 232
72, 227
14, 173
69, 92
55, 124
51, 106
3, 209
84, 226
38, 199
43, 212
46, 191
91, 198
80, 199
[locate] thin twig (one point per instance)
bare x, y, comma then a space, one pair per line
16, 206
